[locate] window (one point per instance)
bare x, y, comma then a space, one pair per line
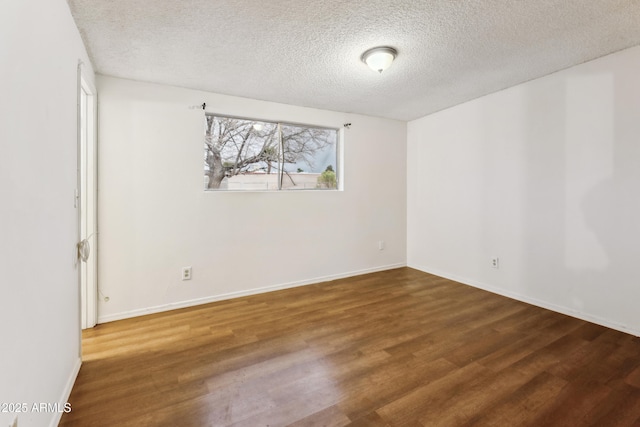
246, 154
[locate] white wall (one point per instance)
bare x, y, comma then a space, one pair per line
546, 176
39, 294
155, 218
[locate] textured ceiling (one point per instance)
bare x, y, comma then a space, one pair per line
308, 52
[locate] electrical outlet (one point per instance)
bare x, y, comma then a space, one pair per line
495, 262
381, 245
186, 273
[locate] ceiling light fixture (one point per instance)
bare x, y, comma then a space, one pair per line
379, 58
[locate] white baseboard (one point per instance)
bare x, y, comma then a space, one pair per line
533, 301
221, 297
66, 392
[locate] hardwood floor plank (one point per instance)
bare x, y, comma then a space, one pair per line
328, 417
514, 351
633, 378
551, 354
424, 402
521, 406
372, 419
620, 408
571, 406
399, 377
476, 398
393, 348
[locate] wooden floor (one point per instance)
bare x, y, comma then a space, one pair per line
396, 348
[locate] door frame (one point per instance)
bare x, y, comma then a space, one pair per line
86, 197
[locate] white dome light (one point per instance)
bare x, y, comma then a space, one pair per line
379, 58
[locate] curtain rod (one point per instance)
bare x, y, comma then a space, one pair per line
204, 105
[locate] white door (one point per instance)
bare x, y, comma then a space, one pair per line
87, 202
